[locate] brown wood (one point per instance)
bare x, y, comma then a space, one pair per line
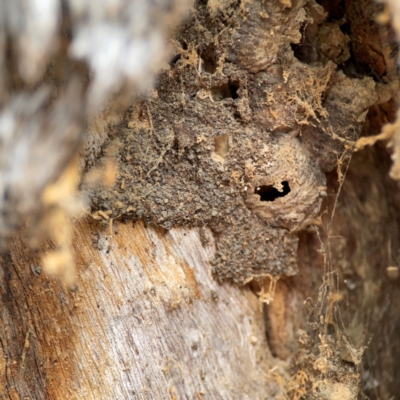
145, 320
259, 94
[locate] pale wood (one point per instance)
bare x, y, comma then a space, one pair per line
146, 320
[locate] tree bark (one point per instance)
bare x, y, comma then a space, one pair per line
236, 247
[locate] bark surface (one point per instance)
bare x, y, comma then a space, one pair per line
235, 246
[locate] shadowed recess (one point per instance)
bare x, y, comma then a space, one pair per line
225, 91
209, 59
270, 193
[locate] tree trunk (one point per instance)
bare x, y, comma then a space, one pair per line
144, 320
237, 245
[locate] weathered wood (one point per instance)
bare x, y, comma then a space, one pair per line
146, 320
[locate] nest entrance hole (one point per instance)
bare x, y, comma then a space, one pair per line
175, 59
209, 59
271, 193
225, 91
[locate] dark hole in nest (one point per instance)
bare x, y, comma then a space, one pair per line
225, 91
303, 51
270, 193
175, 59
209, 59
335, 8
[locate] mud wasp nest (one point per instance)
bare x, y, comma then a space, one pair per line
290, 193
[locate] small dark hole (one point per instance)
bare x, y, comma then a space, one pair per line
233, 88
335, 8
304, 52
270, 193
331, 330
346, 28
225, 91
209, 59
175, 59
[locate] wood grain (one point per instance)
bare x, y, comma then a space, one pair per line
146, 320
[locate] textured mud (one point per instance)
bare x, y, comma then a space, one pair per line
214, 146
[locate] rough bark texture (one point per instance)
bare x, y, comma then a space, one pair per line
237, 167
